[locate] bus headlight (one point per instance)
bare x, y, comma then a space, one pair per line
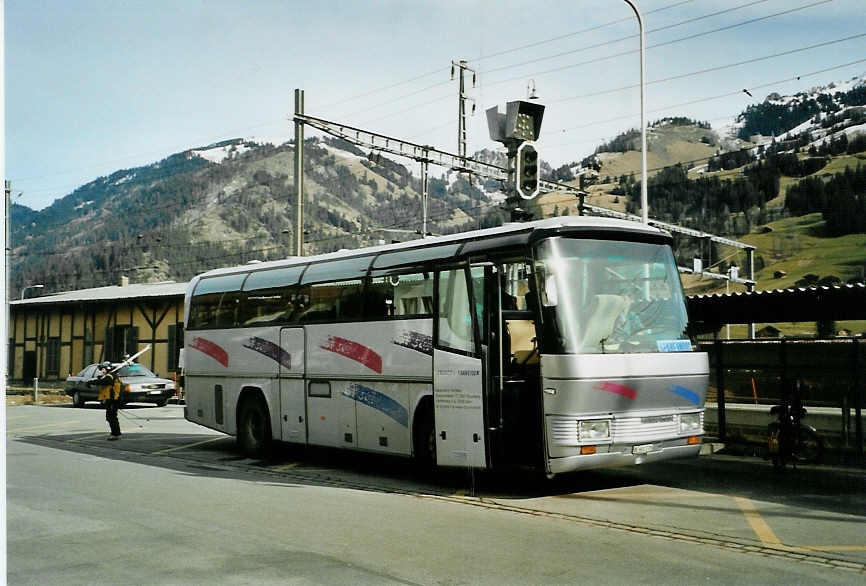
593, 430
690, 422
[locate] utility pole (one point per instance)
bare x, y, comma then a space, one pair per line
7, 240
463, 67
299, 173
644, 199
424, 195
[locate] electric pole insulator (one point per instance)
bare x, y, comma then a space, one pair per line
526, 177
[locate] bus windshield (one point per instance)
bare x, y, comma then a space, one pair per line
604, 296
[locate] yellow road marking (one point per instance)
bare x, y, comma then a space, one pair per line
62, 424
763, 531
207, 441
284, 467
759, 526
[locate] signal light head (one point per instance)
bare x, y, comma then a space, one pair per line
526, 171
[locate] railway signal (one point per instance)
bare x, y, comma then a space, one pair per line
527, 171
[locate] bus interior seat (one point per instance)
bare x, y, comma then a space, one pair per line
601, 318
524, 347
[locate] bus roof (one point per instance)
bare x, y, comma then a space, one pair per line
490, 237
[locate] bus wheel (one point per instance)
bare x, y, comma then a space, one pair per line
254, 428
424, 439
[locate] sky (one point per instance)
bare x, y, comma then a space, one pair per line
94, 86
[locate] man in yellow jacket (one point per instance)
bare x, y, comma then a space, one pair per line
110, 388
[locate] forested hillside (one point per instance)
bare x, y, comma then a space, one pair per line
233, 201
230, 203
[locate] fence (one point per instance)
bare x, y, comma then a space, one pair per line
828, 373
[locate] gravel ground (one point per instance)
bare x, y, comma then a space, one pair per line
46, 398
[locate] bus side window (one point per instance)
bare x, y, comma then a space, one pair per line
455, 315
409, 294
413, 294
379, 299
203, 310
350, 303
300, 300
266, 307
226, 316
323, 304
515, 287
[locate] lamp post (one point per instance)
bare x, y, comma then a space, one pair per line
644, 205
30, 287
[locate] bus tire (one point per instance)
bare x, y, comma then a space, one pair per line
254, 428
424, 436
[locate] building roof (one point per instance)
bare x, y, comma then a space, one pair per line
113, 293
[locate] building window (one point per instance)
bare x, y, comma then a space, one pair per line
88, 347
175, 343
120, 340
52, 356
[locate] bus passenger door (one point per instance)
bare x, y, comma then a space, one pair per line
458, 374
293, 411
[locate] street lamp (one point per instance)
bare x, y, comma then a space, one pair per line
643, 187
30, 287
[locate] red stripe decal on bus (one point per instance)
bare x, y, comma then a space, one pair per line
355, 351
617, 389
211, 349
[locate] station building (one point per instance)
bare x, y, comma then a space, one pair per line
53, 336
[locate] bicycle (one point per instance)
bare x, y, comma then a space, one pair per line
791, 440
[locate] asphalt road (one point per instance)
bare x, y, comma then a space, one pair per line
174, 503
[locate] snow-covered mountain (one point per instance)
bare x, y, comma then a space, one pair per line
823, 112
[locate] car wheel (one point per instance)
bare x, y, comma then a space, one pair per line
77, 400
254, 428
161, 403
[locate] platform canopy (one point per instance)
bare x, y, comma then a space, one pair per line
837, 302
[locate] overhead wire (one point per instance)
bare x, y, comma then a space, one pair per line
657, 45
716, 97
628, 18
711, 69
619, 40
487, 84
500, 53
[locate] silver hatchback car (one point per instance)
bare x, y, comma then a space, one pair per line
140, 385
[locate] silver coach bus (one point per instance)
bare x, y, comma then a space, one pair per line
559, 344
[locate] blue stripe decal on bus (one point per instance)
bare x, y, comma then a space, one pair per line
687, 394
378, 401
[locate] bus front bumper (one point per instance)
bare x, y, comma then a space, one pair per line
623, 456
